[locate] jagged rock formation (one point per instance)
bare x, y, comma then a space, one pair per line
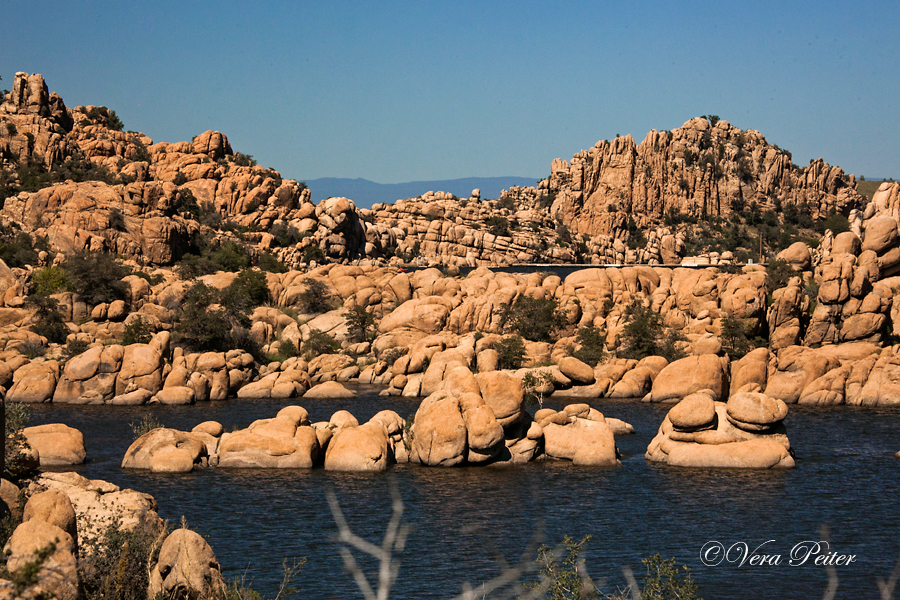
698, 169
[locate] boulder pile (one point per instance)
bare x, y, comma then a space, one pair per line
747, 431
471, 419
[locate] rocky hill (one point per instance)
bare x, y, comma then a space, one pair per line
707, 167
72, 177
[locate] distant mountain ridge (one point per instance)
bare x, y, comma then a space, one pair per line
365, 193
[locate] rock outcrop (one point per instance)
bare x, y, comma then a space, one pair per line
745, 432
187, 567
705, 167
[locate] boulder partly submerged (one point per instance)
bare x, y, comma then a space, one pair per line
747, 432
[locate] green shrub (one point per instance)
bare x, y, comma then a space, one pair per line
147, 424
566, 580
213, 320
534, 319
669, 348
313, 253
316, 297
96, 276
116, 563
285, 235
645, 335
665, 581
734, 338
498, 226
534, 382
835, 221
591, 341
137, 331
287, 349
74, 347
511, 352
17, 248
231, 257
251, 285
564, 237
16, 466
270, 264
244, 160
48, 321
32, 349
209, 216
778, 274
319, 343
117, 220
563, 576
49, 280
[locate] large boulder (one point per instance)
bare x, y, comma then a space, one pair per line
691, 374
186, 568
57, 576
504, 394
57, 444
439, 431
747, 432
331, 390
749, 454
285, 442
361, 448
165, 450
34, 382
142, 367
54, 507
99, 504
881, 235
576, 370
580, 434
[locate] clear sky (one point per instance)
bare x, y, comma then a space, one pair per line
400, 91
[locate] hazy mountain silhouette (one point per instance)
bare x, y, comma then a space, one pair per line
365, 193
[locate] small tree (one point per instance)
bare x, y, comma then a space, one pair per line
665, 581
591, 341
16, 464
316, 298
213, 320
96, 277
643, 328
231, 257
511, 351
319, 343
566, 580
137, 331
48, 321
534, 319
252, 286
359, 323
669, 348
645, 335
535, 382
734, 338
778, 274
49, 280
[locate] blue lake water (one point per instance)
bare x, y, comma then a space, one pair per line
846, 478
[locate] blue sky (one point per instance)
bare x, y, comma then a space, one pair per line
402, 91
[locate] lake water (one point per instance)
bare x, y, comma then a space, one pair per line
846, 478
